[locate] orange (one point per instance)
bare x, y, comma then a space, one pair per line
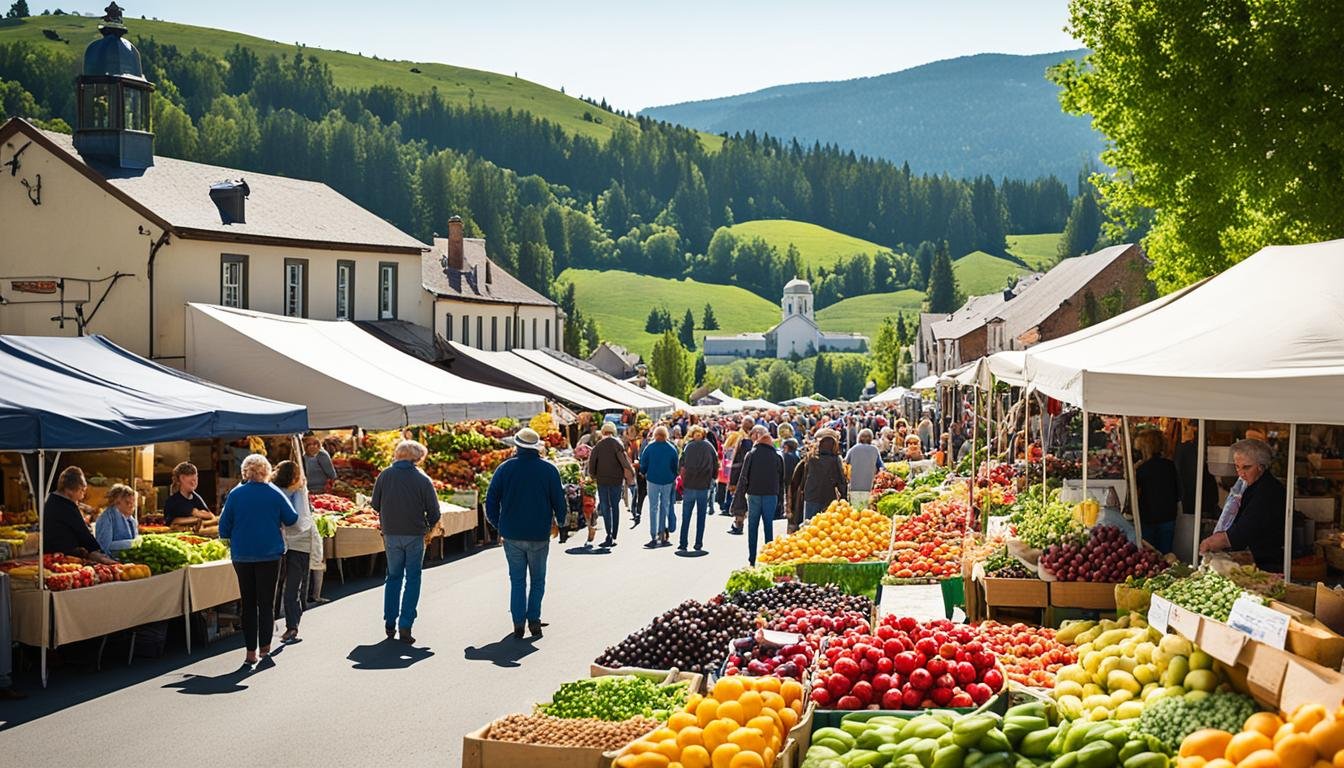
769, 684
1267, 723
788, 718
706, 711
1209, 743
1284, 732
681, 720
669, 748
723, 755
1338, 762
747, 760
1327, 737
716, 733
695, 756
1220, 763
1307, 716
1261, 758
733, 711
749, 739
690, 735
1193, 761
729, 688
1296, 751
752, 703
1322, 764
1243, 744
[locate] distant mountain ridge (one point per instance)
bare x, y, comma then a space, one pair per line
990, 113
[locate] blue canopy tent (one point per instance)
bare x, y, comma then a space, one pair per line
84, 394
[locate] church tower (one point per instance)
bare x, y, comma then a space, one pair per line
797, 300
112, 117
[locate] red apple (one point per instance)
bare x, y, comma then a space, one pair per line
921, 679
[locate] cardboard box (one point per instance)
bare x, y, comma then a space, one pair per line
662, 676
480, 752
1097, 596
1018, 593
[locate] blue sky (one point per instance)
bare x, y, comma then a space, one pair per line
638, 54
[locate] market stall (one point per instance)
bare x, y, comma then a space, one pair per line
75, 394
611, 389
504, 369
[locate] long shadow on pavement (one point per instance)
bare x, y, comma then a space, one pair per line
388, 654
204, 685
505, 652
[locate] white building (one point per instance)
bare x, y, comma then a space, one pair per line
796, 333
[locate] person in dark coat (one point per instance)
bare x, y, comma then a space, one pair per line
761, 487
789, 451
1159, 488
823, 480
1257, 523
699, 464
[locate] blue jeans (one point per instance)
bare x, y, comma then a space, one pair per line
760, 508
694, 499
405, 556
1160, 535
527, 559
609, 503
811, 509
661, 515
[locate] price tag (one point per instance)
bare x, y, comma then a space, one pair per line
1159, 610
780, 639
1221, 641
919, 601
1182, 622
998, 527
1260, 622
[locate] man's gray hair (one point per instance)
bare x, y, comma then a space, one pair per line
865, 435
410, 450
660, 432
256, 468
758, 431
1257, 451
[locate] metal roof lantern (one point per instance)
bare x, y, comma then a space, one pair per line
112, 122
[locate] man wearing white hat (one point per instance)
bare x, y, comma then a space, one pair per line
526, 504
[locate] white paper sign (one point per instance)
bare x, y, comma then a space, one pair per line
1159, 610
919, 601
999, 527
1260, 622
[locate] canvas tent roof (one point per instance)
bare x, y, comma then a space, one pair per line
928, 382
596, 383
889, 395
504, 369
1203, 354
87, 393
725, 401
346, 376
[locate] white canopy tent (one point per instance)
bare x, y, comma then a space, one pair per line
346, 376
891, 395
928, 382
758, 404
616, 390
726, 402
677, 402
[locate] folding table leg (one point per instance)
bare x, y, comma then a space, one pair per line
130, 655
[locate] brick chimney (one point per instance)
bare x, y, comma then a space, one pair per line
455, 260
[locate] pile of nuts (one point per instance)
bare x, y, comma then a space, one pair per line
570, 732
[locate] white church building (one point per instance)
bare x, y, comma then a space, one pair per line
796, 333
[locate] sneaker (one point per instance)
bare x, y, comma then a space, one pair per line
586, 544
699, 548
518, 631
653, 544
534, 628
406, 636
606, 544
735, 530
390, 630
681, 547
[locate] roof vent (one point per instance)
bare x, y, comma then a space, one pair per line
1008, 294
229, 197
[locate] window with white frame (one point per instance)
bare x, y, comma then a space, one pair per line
296, 287
387, 290
233, 281
345, 290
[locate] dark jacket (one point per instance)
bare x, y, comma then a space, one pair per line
699, 465
1159, 490
525, 498
405, 500
63, 527
609, 463
824, 477
251, 519
1187, 460
791, 459
762, 473
1259, 522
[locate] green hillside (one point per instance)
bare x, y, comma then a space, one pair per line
458, 85
978, 273
818, 246
1040, 251
864, 314
620, 303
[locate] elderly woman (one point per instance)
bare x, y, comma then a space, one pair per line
1257, 522
253, 515
117, 527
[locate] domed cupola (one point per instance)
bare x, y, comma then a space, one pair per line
112, 124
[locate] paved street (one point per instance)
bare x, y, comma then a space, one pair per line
343, 696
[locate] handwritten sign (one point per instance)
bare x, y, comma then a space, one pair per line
1184, 623
919, 601
1221, 641
1260, 622
1159, 611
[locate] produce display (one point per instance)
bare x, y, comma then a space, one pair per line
694, 636
743, 723
929, 559
1172, 719
1105, 556
841, 532
570, 732
326, 502
1022, 737
164, 552
1124, 666
1029, 655
814, 625
1001, 565
798, 594
326, 526
1040, 524
1205, 593
66, 572
907, 665
761, 577
615, 697
760, 655
1311, 736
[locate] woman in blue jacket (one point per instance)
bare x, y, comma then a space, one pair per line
251, 520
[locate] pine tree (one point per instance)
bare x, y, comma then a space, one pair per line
700, 370
923, 265
708, 321
902, 333
886, 354
670, 369
1083, 227
942, 283
823, 378
18, 10
686, 333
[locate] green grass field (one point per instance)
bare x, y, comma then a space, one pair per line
620, 303
978, 273
1040, 251
458, 85
864, 314
818, 246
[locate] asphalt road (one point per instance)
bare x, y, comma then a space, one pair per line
344, 695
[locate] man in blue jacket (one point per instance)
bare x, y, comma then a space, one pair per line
526, 504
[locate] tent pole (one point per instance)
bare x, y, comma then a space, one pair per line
970, 478
1086, 429
1133, 481
1026, 427
1199, 491
41, 502
1288, 511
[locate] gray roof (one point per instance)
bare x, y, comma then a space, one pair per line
176, 194
1061, 283
470, 284
978, 310
626, 356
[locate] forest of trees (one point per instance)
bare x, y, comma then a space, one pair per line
650, 199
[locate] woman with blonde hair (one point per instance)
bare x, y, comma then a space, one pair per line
289, 479
117, 528
253, 514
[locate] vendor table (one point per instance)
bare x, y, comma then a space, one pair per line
209, 585
354, 542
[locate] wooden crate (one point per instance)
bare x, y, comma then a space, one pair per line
1091, 595
1016, 593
